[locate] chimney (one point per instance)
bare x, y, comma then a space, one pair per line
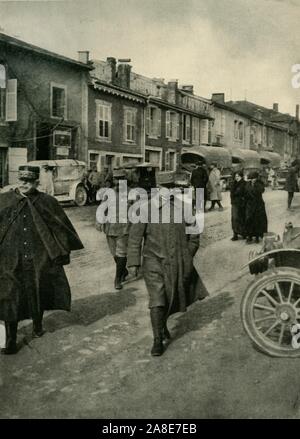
123, 75
218, 98
111, 61
297, 112
172, 91
275, 107
188, 89
83, 56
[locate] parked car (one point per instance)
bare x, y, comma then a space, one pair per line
68, 179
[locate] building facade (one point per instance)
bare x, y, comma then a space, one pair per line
172, 118
245, 125
43, 106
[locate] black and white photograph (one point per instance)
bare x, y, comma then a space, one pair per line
149, 212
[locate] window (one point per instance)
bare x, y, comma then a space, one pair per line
58, 101
236, 129
153, 121
2, 92
205, 128
172, 125
195, 131
130, 124
186, 128
93, 160
103, 120
241, 130
170, 161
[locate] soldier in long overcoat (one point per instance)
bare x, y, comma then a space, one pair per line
36, 239
256, 221
167, 251
291, 184
238, 206
214, 187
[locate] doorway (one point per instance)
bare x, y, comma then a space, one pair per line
43, 145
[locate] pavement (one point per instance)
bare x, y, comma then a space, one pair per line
94, 362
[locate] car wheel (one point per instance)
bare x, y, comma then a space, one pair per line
80, 196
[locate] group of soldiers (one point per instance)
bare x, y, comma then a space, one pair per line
36, 239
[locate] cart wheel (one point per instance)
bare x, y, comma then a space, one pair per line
80, 196
270, 312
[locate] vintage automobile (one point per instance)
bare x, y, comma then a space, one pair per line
246, 160
68, 179
270, 307
208, 155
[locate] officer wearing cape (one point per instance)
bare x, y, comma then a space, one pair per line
36, 239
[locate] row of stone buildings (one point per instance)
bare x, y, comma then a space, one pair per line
53, 107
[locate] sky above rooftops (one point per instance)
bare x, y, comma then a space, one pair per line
244, 48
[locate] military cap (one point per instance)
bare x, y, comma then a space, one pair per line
253, 175
28, 173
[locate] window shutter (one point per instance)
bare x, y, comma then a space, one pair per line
204, 131
11, 100
223, 125
125, 125
158, 111
188, 128
168, 120
102, 162
118, 159
135, 126
167, 161
148, 120
177, 126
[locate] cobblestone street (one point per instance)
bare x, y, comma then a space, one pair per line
95, 363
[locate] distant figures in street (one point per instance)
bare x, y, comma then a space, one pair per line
214, 187
291, 184
238, 206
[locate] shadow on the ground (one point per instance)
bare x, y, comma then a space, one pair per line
88, 310
203, 313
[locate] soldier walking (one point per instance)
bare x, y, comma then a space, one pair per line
36, 239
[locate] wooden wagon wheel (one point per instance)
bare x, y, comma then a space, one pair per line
270, 312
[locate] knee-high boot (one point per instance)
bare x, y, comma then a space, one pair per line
11, 329
157, 315
119, 272
124, 269
37, 326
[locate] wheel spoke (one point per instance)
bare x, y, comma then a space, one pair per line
262, 319
297, 301
268, 308
279, 291
290, 292
270, 298
271, 327
281, 333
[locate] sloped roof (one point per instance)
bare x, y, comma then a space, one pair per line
26, 46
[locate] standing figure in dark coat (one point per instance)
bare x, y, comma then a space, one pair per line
238, 205
199, 179
256, 217
36, 239
291, 184
171, 279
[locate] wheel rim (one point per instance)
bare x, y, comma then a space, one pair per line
275, 310
80, 195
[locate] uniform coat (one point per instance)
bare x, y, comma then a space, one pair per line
256, 217
291, 182
36, 238
168, 269
214, 185
238, 207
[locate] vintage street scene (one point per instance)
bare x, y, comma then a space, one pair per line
149, 209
